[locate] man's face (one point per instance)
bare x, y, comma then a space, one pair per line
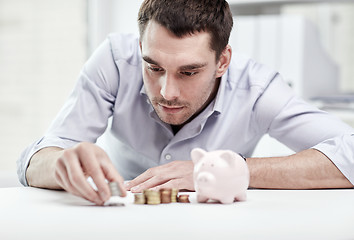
179, 73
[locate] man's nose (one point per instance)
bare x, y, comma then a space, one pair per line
169, 87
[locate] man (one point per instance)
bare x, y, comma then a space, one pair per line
176, 88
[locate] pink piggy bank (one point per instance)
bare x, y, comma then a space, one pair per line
220, 175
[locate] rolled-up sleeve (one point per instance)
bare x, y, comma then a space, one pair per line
301, 126
341, 151
85, 114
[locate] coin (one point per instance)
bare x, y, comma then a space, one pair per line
114, 201
115, 204
165, 194
174, 192
115, 194
139, 198
115, 190
183, 198
152, 197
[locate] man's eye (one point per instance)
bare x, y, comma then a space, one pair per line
189, 74
154, 69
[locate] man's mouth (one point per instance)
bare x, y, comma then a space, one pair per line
171, 109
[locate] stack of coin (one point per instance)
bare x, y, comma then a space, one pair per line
166, 194
145, 193
183, 198
114, 187
114, 200
139, 198
152, 197
174, 193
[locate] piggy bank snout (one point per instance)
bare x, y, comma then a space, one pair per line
205, 177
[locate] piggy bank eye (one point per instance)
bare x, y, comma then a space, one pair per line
212, 165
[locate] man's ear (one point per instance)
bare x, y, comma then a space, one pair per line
140, 45
224, 61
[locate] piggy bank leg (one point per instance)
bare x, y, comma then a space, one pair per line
227, 200
242, 197
201, 199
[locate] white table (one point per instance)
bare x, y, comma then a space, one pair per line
30, 213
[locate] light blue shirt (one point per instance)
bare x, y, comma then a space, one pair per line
252, 100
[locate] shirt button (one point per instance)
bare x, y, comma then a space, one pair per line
168, 156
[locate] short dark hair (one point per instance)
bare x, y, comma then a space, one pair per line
183, 17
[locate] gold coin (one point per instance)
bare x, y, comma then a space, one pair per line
139, 198
174, 193
152, 197
166, 195
183, 198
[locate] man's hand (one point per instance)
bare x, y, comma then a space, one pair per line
71, 169
176, 174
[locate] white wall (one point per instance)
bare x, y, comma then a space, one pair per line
336, 26
42, 49
106, 16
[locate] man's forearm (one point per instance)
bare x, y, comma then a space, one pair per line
40, 172
309, 169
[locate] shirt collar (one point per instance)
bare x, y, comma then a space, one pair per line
219, 98
142, 90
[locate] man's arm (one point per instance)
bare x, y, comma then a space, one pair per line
309, 169
41, 170
69, 169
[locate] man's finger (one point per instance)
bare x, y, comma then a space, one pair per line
178, 183
78, 180
93, 169
139, 179
173, 183
62, 177
112, 175
159, 175
150, 183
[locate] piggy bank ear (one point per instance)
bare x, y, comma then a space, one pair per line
197, 154
229, 157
